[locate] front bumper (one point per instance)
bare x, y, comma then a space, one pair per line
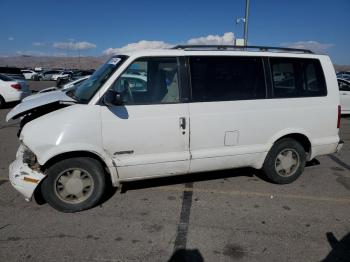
22, 177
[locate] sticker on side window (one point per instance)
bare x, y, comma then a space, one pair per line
114, 61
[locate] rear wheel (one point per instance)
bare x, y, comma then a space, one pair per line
74, 184
285, 162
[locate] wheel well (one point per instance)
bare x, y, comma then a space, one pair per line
73, 154
38, 194
302, 139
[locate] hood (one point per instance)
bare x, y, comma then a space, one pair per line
49, 89
41, 101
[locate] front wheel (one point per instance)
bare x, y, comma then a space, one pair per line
285, 162
74, 184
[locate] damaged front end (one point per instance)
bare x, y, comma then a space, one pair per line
38, 105
34, 113
24, 173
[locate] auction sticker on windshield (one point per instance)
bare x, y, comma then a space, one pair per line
114, 60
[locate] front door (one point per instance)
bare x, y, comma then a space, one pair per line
148, 135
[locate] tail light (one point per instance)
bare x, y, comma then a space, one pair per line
16, 86
339, 115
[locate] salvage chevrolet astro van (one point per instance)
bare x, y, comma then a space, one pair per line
188, 109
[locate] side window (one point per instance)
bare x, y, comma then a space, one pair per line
284, 79
297, 78
313, 82
227, 78
149, 81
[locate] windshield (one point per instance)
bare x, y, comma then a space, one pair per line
73, 84
87, 89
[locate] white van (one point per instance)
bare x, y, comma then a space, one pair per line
196, 109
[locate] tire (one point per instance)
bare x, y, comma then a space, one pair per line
74, 184
285, 161
2, 102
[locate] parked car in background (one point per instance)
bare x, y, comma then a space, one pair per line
133, 71
46, 75
12, 72
65, 86
61, 81
62, 74
136, 83
344, 75
80, 73
30, 74
344, 91
12, 90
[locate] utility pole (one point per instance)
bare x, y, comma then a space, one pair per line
244, 41
246, 22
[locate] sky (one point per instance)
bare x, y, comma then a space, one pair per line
95, 28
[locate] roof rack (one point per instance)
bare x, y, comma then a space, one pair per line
233, 47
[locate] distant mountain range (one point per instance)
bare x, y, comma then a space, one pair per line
24, 61
87, 62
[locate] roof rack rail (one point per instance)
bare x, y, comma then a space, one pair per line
228, 47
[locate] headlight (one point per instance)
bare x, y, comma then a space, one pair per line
20, 150
28, 157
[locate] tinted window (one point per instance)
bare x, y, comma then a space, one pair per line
297, 77
284, 79
227, 78
149, 81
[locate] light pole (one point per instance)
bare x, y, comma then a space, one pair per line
245, 21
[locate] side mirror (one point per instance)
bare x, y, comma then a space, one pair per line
112, 98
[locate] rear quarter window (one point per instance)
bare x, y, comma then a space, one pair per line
297, 78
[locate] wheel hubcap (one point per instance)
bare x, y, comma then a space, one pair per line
287, 162
74, 186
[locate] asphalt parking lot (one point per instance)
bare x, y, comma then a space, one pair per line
219, 216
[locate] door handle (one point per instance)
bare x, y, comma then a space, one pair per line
182, 122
